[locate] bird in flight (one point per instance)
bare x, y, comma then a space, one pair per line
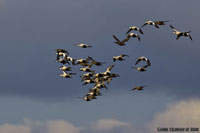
139, 88
142, 58
141, 69
133, 35
155, 23
121, 43
83, 45
60, 51
179, 34
67, 75
119, 58
134, 28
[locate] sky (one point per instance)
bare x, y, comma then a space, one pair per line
35, 99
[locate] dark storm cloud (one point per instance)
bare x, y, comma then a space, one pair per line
32, 30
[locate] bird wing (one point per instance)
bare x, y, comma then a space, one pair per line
140, 31
62, 50
128, 31
138, 37
143, 25
156, 26
64, 72
145, 66
137, 61
110, 68
174, 29
133, 89
89, 46
126, 39
161, 22
148, 62
178, 36
116, 38
143, 86
124, 55
190, 37
90, 58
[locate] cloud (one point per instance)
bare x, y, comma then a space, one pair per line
62, 126
181, 114
8, 128
109, 124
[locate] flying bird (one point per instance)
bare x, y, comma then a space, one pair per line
94, 62
68, 58
142, 58
121, 43
88, 74
86, 98
88, 81
67, 75
141, 69
179, 34
65, 68
83, 45
63, 61
83, 62
110, 68
61, 51
119, 58
134, 28
86, 69
134, 35
139, 88
154, 23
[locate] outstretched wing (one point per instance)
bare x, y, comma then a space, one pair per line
148, 62
116, 38
137, 61
128, 31
178, 36
110, 68
133, 89
161, 22
174, 29
190, 37
89, 46
156, 26
143, 25
138, 37
126, 39
145, 66
124, 55
140, 31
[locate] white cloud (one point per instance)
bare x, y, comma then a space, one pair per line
61, 126
8, 128
182, 114
109, 124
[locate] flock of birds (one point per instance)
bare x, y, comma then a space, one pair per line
101, 79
